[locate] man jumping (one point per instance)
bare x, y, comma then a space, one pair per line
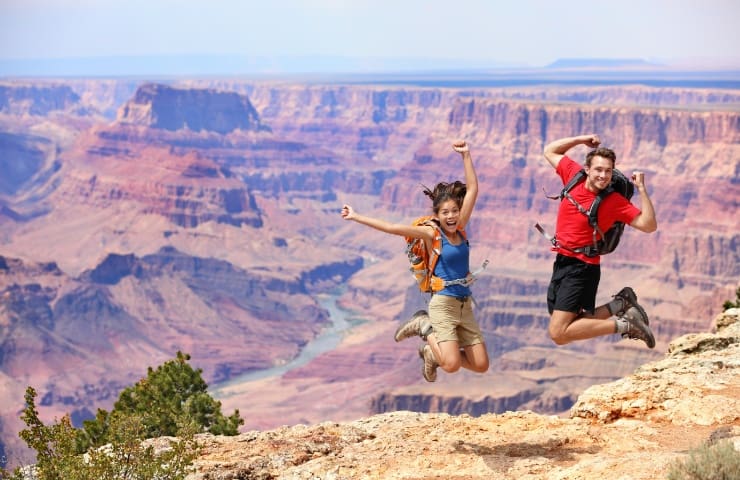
571, 295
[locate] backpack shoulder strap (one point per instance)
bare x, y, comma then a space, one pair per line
593, 211
565, 192
436, 249
580, 175
429, 221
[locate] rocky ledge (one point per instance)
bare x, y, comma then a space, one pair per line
634, 428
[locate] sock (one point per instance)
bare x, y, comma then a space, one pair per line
622, 325
425, 329
616, 305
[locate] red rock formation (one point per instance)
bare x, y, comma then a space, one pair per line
267, 203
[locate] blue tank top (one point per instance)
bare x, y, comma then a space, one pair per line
453, 263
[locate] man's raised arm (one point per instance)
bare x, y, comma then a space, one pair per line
555, 150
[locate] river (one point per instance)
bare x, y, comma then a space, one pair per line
327, 340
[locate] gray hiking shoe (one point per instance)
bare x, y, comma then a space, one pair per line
429, 367
638, 326
418, 326
629, 299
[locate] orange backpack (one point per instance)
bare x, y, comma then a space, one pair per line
422, 261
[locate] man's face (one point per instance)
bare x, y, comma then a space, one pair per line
599, 174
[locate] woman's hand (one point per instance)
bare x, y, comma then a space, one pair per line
460, 146
348, 213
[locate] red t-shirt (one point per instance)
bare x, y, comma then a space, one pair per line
573, 229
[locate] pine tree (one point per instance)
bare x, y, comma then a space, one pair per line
172, 395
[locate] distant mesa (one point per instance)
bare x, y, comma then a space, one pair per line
165, 107
601, 63
22, 98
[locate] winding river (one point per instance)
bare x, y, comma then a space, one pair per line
326, 341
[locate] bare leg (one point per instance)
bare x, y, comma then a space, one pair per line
475, 358
447, 353
567, 327
451, 358
601, 313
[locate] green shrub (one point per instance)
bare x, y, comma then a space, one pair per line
719, 461
736, 304
169, 396
124, 458
172, 401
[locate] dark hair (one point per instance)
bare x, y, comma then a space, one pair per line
444, 191
604, 152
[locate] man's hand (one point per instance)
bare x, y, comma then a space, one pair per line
638, 178
554, 151
592, 141
460, 146
645, 221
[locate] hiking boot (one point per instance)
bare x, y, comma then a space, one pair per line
418, 326
429, 367
638, 328
629, 299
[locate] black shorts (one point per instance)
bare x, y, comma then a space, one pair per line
573, 285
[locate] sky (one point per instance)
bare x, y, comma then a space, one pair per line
530, 33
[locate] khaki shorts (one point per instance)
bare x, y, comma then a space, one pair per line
452, 319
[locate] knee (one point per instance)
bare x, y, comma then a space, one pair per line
451, 365
558, 336
481, 367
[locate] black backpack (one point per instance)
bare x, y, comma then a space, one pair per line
609, 239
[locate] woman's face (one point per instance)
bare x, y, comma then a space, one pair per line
448, 215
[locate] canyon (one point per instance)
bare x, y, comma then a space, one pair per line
142, 218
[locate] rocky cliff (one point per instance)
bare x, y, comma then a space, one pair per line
635, 427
